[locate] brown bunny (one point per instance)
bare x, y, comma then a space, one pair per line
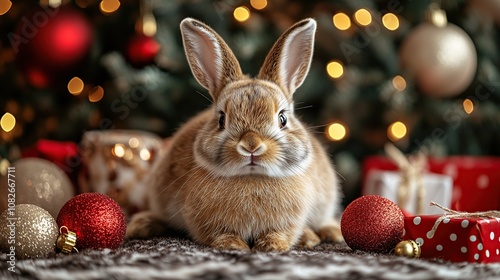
246, 170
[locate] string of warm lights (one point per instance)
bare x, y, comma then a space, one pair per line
335, 131
363, 17
122, 151
75, 86
106, 6
243, 13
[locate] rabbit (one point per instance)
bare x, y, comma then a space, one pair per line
245, 174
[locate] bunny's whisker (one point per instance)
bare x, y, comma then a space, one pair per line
304, 107
204, 96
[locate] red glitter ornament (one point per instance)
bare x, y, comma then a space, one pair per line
141, 50
97, 220
372, 223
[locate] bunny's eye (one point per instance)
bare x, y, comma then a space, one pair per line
222, 120
282, 119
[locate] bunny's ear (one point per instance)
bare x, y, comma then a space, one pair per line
212, 62
287, 63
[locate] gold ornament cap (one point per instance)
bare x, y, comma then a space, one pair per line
407, 248
436, 15
66, 241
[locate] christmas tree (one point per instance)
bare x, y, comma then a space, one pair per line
420, 75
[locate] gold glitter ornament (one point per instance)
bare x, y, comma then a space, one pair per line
407, 248
39, 182
27, 231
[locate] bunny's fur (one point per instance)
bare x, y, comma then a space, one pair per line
235, 177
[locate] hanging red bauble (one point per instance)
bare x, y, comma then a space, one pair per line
51, 41
141, 50
97, 220
37, 77
372, 223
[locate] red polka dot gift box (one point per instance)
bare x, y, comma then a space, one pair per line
463, 239
476, 180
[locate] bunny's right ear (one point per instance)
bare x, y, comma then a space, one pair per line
288, 62
212, 62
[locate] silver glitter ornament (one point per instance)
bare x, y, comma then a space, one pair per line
27, 231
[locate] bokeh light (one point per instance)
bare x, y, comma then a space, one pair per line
241, 14
336, 131
149, 25
5, 6
133, 142
129, 155
363, 17
75, 86
258, 4
109, 6
397, 130
468, 106
341, 21
8, 122
96, 94
399, 83
335, 69
118, 150
390, 21
145, 154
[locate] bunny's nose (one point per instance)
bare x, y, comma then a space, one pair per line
251, 145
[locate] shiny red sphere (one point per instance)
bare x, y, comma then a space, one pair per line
141, 50
372, 223
50, 42
97, 220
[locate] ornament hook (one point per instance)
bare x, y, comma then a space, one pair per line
66, 241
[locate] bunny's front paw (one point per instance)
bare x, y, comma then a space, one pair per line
309, 239
229, 242
331, 233
272, 242
145, 225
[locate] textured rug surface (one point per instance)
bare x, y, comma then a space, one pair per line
178, 258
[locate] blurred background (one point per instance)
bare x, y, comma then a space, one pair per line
421, 74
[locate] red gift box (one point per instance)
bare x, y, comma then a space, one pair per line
476, 180
456, 239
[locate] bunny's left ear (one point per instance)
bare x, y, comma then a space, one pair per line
288, 62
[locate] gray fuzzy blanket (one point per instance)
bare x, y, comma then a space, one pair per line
178, 258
